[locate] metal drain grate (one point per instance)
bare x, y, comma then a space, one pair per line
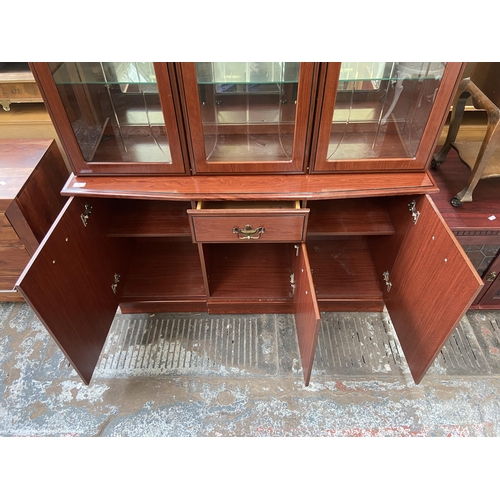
486, 326
356, 344
196, 344
349, 344
461, 354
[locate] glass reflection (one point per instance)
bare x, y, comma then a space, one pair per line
381, 108
248, 109
114, 109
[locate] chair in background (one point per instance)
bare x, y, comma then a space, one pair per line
483, 158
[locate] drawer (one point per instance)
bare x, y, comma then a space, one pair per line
20, 92
8, 237
8, 282
13, 260
7, 290
247, 222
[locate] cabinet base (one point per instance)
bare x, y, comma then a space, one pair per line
162, 307
245, 307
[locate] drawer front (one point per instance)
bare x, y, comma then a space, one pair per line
13, 260
8, 237
19, 92
216, 227
7, 290
8, 283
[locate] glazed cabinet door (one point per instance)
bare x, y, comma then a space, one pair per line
381, 115
247, 117
428, 281
306, 310
74, 281
114, 117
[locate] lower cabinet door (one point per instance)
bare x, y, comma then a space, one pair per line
428, 281
306, 310
73, 282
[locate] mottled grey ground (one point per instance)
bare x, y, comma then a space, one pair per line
199, 375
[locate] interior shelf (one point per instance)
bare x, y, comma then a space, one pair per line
150, 218
249, 272
163, 269
343, 270
357, 216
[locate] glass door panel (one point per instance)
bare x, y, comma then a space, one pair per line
114, 109
248, 110
382, 108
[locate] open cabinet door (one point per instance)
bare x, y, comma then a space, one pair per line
430, 283
306, 310
70, 281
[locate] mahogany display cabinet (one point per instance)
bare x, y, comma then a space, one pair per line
249, 188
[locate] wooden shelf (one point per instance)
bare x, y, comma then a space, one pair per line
149, 218
164, 270
363, 216
250, 272
343, 272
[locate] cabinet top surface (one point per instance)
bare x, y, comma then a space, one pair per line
252, 187
18, 159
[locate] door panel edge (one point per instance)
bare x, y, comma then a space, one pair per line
307, 315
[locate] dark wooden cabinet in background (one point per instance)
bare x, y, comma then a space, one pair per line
297, 188
476, 225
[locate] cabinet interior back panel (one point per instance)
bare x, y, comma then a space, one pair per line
343, 268
162, 268
250, 270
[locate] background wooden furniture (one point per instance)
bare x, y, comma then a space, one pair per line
345, 234
475, 225
17, 84
32, 173
482, 157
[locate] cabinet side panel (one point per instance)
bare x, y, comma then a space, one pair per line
307, 316
68, 283
433, 285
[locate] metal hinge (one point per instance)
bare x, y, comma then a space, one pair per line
492, 276
415, 213
292, 282
388, 284
114, 286
86, 214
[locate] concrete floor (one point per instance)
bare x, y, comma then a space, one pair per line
202, 395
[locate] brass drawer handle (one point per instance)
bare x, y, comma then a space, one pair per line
492, 276
249, 233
